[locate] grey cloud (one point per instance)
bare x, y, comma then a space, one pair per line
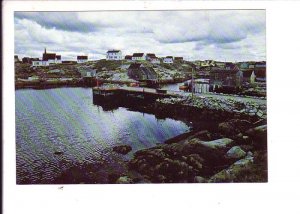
66, 21
195, 34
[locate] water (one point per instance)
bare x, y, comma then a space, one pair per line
66, 120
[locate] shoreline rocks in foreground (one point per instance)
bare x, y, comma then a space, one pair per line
196, 160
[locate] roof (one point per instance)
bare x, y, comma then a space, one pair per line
135, 66
138, 55
178, 58
58, 56
260, 73
113, 51
82, 57
169, 57
151, 55
247, 73
128, 57
47, 56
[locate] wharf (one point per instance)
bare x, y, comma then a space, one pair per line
111, 98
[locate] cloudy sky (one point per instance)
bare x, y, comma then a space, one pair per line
231, 35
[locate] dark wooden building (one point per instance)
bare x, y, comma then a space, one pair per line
138, 71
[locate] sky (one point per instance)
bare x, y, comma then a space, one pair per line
223, 35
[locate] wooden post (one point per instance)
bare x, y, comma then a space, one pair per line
192, 83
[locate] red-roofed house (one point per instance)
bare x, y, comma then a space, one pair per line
138, 57
82, 59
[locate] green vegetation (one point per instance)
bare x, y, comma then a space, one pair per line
103, 65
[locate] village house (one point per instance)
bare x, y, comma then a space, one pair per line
178, 59
138, 71
260, 74
138, 57
128, 58
47, 59
249, 76
16, 58
58, 59
50, 57
150, 56
38, 63
82, 59
230, 77
168, 60
155, 60
29, 60
244, 65
114, 55
260, 64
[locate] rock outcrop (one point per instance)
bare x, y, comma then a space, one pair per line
236, 152
123, 149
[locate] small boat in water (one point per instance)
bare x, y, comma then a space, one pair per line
183, 87
134, 84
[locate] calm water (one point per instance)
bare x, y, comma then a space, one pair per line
66, 120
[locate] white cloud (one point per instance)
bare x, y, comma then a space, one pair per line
203, 34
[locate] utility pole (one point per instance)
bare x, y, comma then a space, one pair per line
192, 83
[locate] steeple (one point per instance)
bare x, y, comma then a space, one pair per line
45, 51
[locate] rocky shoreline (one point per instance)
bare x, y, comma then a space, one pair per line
203, 159
234, 149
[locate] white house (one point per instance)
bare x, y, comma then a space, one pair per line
82, 59
150, 56
114, 55
58, 59
38, 63
168, 59
155, 60
138, 57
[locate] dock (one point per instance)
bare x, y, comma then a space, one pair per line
119, 96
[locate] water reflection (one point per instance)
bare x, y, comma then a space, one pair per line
67, 120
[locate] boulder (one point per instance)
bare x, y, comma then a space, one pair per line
195, 161
218, 144
199, 179
234, 127
236, 152
226, 128
230, 174
124, 180
123, 149
258, 136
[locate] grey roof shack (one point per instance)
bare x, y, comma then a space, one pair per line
230, 77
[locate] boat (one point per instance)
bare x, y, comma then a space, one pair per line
183, 87
134, 84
